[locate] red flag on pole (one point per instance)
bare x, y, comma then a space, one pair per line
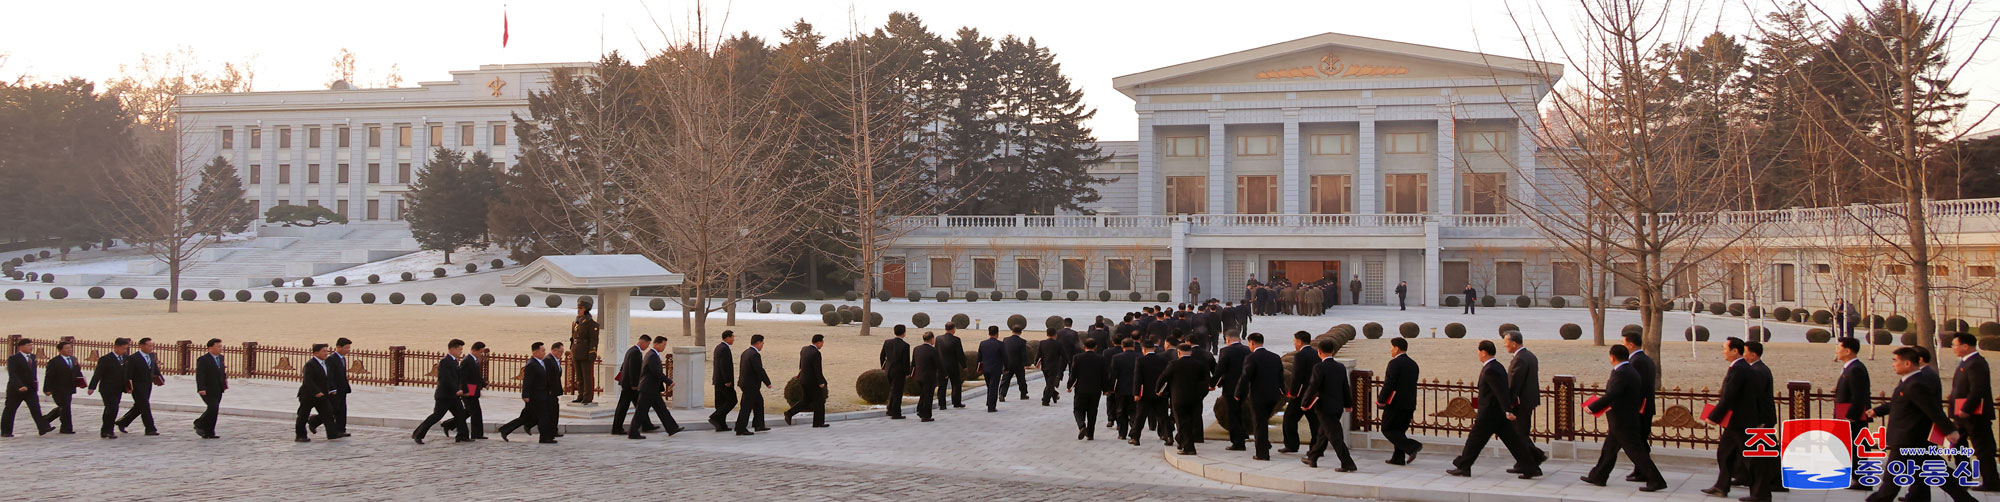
503, 29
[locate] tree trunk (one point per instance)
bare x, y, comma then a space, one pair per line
174, 281
735, 296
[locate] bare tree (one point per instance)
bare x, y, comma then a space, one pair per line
344, 70
153, 203
149, 89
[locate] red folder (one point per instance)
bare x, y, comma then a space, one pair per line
80, 383
1707, 410
471, 390
1392, 398
1937, 436
1959, 405
1593, 400
1840, 410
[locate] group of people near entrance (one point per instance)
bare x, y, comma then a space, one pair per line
1307, 298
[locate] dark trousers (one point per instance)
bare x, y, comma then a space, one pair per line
1154, 410
1484, 429
306, 407
206, 422
952, 383
475, 417
725, 400
1187, 423
1919, 492
1395, 428
1632, 439
994, 386
1051, 377
1401, 302
60, 413
1728, 455
924, 392
750, 413
1330, 434
531, 414
111, 400
1292, 415
1232, 414
1469, 305
1085, 409
814, 401
17, 398
657, 406
546, 413
1016, 374
626, 397
452, 405
1644, 433
896, 383
1114, 412
1978, 431
1524, 425
337, 404
1129, 420
1260, 425
142, 407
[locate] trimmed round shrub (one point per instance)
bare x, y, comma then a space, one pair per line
242, 295
271, 297
851, 296
486, 300
160, 293
1875, 321
59, 293
1103, 296
428, 298
553, 301
1408, 329
458, 298
830, 318
333, 297
1072, 295
1451, 301
306, 282
826, 307
797, 307
881, 296
128, 293
1736, 309
961, 321
1506, 327
1989, 343
1372, 330
1819, 335
971, 296
1136, 297
1756, 312
1053, 323
794, 393
1163, 297
1487, 301
340, 280
45, 253
1717, 308
1910, 339
523, 300
395, 298
1523, 301
913, 296
872, 386
762, 307
48, 278
496, 264
920, 320
368, 298
1695, 335
437, 272
1631, 304
1957, 326
278, 283
849, 314
471, 267
1558, 302
29, 258
302, 297
94, 292
30, 276
1781, 313
1757, 333
1822, 317
1570, 331
216, 295
1989, 328
995, 295
1881, 337
1017, 321
1897, 323
1454, 330
188, 295
657, 304
407, 277
1048, 295
374, 279
818, 295
874, 319
1021, 295
942, 296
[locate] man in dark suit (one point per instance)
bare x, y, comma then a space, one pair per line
992, 365
1760, 474
60, 383
110, 374
1185, 382
1327, 394
653, 385
1471, 298
1972, 406
629, 369
1402, 295
895, 362
813, 379
1124, 388
210, 381
448, 398
1736, 411
474, 377
312, 393
925, 364
552, 408
338, 388
1262, 383
724, 380
21, 388
1493, 420
1054, 358
1524, 379
1228, 373
1399, 402
952, 372
1017, 363
534, 391
1302, 370
1354, 286
144, 370
1089, 379
1152, 405
750, 375
1850, 394
1072, 342
1623, 397
1913, 412
1649, 376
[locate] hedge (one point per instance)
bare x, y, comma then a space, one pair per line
1454, 330
1451, 301
458, 298
242, 295
1989, 343
471, 267
437, 272
1736, 309
160, 293
1372, 330
1408, 329
1506, 327
395, 298
333, 297
1631, 328
368, 298
1021, 295
1017, 321
340, 280
1819, 335
216, 295
188, 295
1910, 339
428, 298
1163, 297
872, 386
128, 293
1136, 297
1072, 295
374, 279
486, 299
818, 295
1558, 302
277, 282
1758, 333
1570, 331
523, 300
1487, 301
302, 297
852, 296
920, 320
1989, 328
1103, 296
271, 297
1782, 314
407, 277
913, 296
971, 296
874, 319
1822, 317
825, 307
881, 296
1881, 337
1957, 326
943, 296
797, 307
307, 282
1048, 295
658, 304
961, 321
1898, 323
830, 318
496, 264
94, 292
1717, 308
553, 301
1523, 302
1053, 324
1631, 304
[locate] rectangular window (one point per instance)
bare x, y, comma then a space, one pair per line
1981, 270
1484, 193
1407, 193
1895, 269
1822, 268
1787, 283
374, 136
1333, 144
284, 173
374, 209
1163, 275
941, 273
284, 137
1736, 281
1940, 270
312, 137
374, 172
1625, 287
284, 202
1685, 285
465, 135
1330, 194
403, 173
499, 134
1256, 146
403, 136
1074, 274
340, 173
983, 274
256, 138
436, 134
1028, 273
1119, 275
228, 139
1187, 194
340, 206
1187, 146
312, 202
1408, 142
1565, 278
1484, 142
402, 208
256, 174
1256, 194
1507, 278
312, 174
1456, 274
341, 135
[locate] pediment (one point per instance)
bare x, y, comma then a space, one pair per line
1334, 57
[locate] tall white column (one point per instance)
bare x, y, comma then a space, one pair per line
329, 165
1447, 162
1366, 186
1291, 145
1149, 173
267, 153
1524, 156
1433, 264
357, 172
1218, 165
420, 149
1178, 251
298, 163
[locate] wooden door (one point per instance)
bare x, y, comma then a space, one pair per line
892, 277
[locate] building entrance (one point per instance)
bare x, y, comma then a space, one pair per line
1302, 271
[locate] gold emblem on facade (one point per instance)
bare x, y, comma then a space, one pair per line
496, 85
1330, 66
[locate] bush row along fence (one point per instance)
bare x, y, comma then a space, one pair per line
1445, 409
395, 366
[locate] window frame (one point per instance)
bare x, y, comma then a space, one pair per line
1173, 144
312, 137
1111, 274
1422, 143
934, 270
343, 137
1346, 191
1423, 192
1033, 274
312, 174
992, 272
284, 138
1493, 142
499, 135
1269, 145
1244, 189
228, 138
1346, 146
465, 132
1172, 185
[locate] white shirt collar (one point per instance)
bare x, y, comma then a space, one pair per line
1517, 350
1849, 363
1968, 356
1621, 364
1906, 377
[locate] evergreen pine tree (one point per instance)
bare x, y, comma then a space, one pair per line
446, 207
221, 193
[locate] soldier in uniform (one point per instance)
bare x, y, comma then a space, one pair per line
583, 343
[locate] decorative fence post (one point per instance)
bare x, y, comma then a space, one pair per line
249, 359
11, 340
187, 356
1364, 400
1797, 398
396, 365
1564, 415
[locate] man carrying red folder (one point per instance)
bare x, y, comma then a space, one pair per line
1972, 406
1914, 413
1738, 402
1850, 394
1623, 397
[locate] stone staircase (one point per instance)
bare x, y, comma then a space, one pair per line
277, 252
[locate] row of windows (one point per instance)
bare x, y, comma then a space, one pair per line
1075, 274
342, 136
1337, 144
1480, 193
1898, 270
341, 173
374, 207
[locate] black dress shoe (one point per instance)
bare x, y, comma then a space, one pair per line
1653, 488
1513, 470
895, 417
211, 436
821, 426
1634, 478
45, 431
634, 436
745, 433
723, 429
1184, 452
1754, 499
617, 431
121, 428
152, 433
1395, 462
1531, 474
1235, 448
1133, 442
418, 439
652, 428
761, 429
108, 436
1345, 468
503, 435
788, 419
1310, 462
1586, 479
6, 435
1459, 472
676, 430
462, 440
547, 441
927, 419
484, 437
302, 440
1261, 456
1716, 492
1288, 450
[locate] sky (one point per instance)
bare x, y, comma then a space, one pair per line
291, 44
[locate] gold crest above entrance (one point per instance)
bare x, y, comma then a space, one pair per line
1330, 66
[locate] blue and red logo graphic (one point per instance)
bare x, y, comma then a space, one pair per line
1816, 453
